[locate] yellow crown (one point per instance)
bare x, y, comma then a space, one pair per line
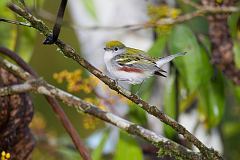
112, 44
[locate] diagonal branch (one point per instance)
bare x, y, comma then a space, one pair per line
54, 104
68, 51
42, 87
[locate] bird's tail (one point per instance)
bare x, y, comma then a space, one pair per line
160, 72
162, 61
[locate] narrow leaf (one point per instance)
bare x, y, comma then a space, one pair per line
194, 67
159, 45
25, 43
127, 148
236, 51
212, 101
169, 104
97, 153
233, 24
89, 5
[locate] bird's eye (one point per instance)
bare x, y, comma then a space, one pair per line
116, 49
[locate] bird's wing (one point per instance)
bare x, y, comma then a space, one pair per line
140, 61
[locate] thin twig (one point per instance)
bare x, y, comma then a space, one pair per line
54, 104
15, 22
68, 51
42, 87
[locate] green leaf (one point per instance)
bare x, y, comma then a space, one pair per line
97, 153
212, 101
7, 31
8, 35
25, 42
169, 104
232, 22
198, 25
38, 3
89, 5
159, 45
17, 38
137, 115
3, 3
206, 44
127, 148
231, 128
194, 67
69, 153
147, 87
187, 100
237, 92
236, 51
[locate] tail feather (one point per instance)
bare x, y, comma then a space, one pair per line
162, 61
159, 73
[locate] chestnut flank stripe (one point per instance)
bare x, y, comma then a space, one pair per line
129, 69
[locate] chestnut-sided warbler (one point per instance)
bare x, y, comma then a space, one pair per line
133, 65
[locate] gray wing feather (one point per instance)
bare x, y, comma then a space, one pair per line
136, 61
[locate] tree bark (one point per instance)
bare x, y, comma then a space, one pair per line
222, 45
16, 112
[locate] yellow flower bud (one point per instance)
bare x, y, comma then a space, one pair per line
3, 153
8, 155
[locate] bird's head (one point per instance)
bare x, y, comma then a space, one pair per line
114, 47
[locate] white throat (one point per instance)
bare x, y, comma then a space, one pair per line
108, 55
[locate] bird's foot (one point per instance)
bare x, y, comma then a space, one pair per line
118, 85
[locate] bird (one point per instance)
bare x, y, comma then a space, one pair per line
132, 65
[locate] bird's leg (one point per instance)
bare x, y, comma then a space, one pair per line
123, 80
116, 83
118, 80
139, 88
